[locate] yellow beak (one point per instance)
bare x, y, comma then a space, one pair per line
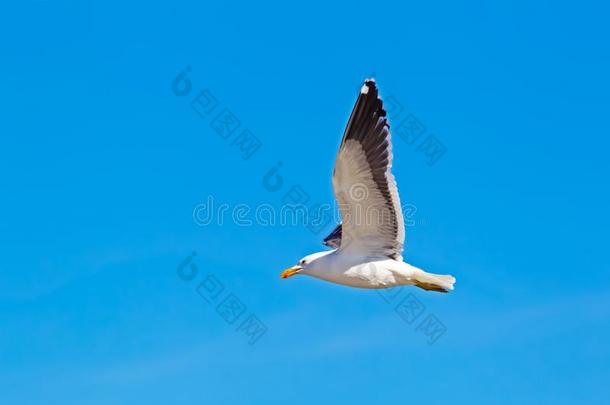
291, 271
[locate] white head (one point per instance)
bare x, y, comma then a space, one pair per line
307, 265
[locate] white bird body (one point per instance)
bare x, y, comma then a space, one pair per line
369, 242
359, 271
337, 266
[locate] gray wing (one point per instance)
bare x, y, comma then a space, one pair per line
334, 239
365, 189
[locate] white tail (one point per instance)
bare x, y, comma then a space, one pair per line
433, 282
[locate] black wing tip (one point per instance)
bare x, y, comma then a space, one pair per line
369, 88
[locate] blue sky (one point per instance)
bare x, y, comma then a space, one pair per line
102, 165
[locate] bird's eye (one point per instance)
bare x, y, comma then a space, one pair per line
302, 262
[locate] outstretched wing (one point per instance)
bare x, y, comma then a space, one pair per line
363, 182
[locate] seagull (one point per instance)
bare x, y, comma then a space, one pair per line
368, 243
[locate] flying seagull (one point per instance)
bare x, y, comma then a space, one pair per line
368, 243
